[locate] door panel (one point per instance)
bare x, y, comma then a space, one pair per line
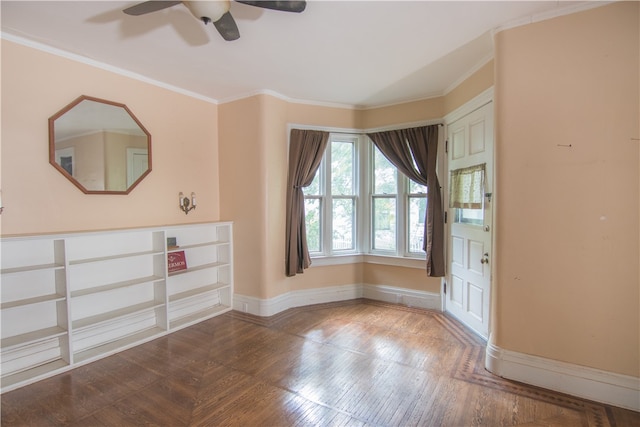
457, 251
458, 143
476, 249
456, 293
469, 248
477, 137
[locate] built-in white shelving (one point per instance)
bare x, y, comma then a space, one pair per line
70, 299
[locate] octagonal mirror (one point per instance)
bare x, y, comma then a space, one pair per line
100, 146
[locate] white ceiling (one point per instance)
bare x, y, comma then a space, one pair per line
352, 53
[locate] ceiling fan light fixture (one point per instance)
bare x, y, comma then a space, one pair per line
208, 11
216, 11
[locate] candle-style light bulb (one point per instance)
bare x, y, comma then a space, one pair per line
193, 199
181, 197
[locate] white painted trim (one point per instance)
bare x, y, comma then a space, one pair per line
399, 261
102, 65
550, 14
484, 61
288, 99
301, 298
581, 381
337, 130
356, 258
483, 98
323, 261
408, 297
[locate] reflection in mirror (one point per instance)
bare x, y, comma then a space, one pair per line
100, 146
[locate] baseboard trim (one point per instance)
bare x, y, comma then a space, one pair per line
408, 297
301, 298
588, 383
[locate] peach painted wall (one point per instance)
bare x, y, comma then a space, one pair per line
253, 171
471, 87
38, 199
409, 112
241, 191
254, 158
567, 280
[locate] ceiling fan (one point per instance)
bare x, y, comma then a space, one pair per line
217, 11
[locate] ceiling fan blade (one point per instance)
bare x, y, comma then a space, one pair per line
227, 27
282, 5
148, 7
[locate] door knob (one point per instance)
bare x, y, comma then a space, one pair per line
485, 258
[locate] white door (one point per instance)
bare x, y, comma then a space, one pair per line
137, 164
470, 143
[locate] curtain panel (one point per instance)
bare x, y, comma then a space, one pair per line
414, 152
466, 189
306, 148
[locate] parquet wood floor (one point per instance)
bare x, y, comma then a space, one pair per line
356, 363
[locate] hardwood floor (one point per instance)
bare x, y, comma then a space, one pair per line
353, 363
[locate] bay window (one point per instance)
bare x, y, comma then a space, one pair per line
358, 203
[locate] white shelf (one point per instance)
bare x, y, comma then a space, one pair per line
112, 315
32, 300
113, 257
105, 291
199, 316
198, 291
114, 286
44, 370
117, 345
198, 245
32, 337
199, 267
31, 268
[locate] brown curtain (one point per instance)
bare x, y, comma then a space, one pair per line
414, 152
306, 148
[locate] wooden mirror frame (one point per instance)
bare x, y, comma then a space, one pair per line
69, 176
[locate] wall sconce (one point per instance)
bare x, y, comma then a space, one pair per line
185, 204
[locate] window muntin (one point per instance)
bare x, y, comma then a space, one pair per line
417, 203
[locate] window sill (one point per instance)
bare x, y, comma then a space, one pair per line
398, 261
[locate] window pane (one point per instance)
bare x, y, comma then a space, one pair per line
384, 223
415, 188
312, 222
417, 210
384, 175
314, 188
343, 220
342, 168
470, 216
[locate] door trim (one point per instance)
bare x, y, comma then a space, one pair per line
477, 102
483, 98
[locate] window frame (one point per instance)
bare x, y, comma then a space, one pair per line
327, 198
402, 197
363, 251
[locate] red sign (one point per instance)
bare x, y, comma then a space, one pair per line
176, 261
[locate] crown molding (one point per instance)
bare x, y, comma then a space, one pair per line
543, 16
101, 65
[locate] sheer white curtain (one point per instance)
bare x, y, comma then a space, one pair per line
467, 187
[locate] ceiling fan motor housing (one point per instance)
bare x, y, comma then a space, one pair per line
208, 11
